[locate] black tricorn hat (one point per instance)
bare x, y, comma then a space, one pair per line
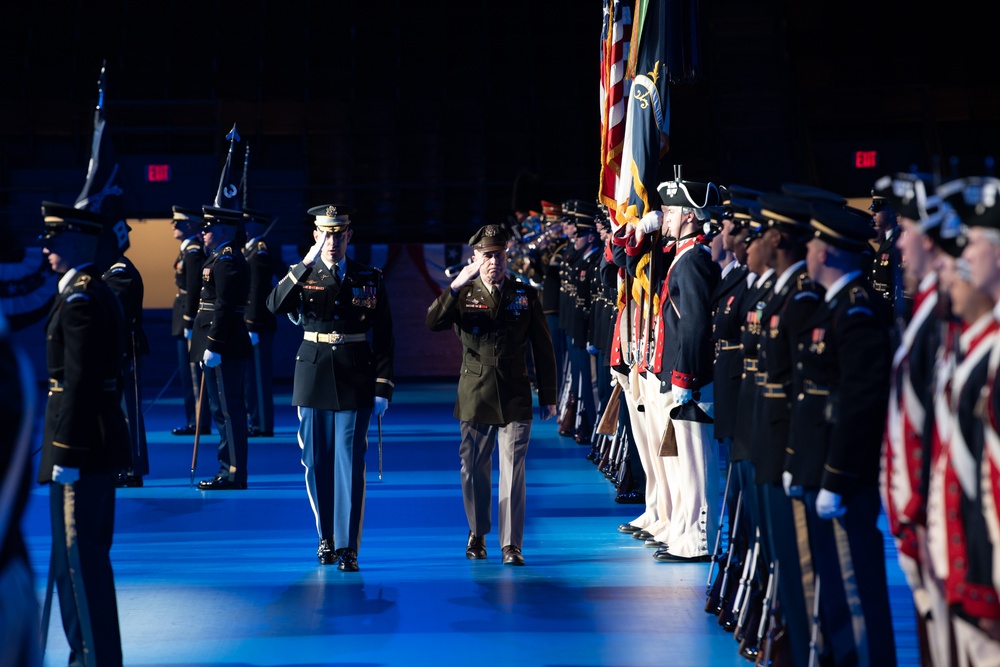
978, 201
688, 193
690, 412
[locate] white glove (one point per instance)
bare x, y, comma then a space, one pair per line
649, 223
381, 405
187, 333
254, 337
65, 475
829, 505
211, 359
681, 395
790, 490
592, 350
315, 250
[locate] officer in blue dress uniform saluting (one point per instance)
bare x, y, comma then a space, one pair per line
341, 378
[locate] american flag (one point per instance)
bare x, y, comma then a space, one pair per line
615, 37
647, 117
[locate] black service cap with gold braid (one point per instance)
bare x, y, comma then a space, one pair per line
841, 226
59, 218
785, 213
489, 237
331, 217
192, 216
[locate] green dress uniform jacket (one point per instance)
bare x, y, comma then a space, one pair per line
493, 387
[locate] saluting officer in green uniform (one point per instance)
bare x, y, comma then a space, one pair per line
495, 318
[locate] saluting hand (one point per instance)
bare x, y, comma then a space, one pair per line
468, 273
314, 251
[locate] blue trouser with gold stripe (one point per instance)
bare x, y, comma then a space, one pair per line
333, 454
849, 558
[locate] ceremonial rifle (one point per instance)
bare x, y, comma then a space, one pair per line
720, 595
814, 635
718, 533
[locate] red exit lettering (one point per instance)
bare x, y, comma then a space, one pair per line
158, 173
865, 159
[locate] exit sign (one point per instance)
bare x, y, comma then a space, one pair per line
158, 173
865, 159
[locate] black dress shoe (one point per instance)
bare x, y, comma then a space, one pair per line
642, 535
631, 498
653, 542
475, 548
512, 556
125, 479
220, 484
665, 556
628, 528
325, 552
189, 430
348, 560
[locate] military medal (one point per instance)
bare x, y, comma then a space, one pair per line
818, 345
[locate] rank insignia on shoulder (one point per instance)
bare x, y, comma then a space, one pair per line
858, 294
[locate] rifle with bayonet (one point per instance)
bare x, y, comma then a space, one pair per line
720, 597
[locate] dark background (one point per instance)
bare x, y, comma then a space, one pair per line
422, 114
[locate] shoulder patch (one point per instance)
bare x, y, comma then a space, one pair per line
193, 249
811, 296
859, 310
78, 296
